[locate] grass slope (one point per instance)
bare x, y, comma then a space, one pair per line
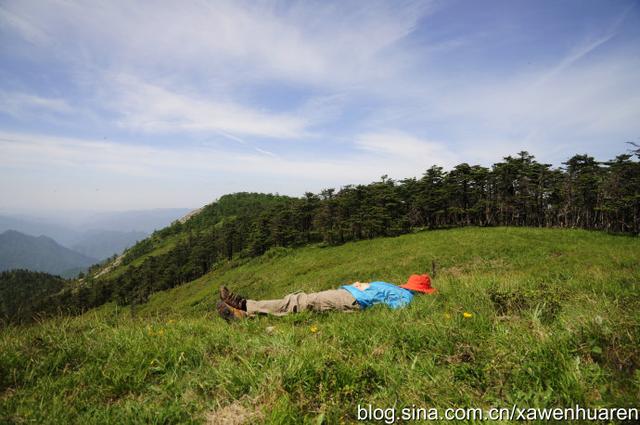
555, 321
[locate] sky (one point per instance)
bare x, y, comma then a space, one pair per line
120, 105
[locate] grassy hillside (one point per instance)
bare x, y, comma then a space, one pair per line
554, 321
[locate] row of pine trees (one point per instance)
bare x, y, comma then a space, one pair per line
518, 191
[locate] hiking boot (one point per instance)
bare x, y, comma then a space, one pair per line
229, 313
234, 300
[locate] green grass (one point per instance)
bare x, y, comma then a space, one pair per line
555, 321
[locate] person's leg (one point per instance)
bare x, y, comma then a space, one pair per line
333, 299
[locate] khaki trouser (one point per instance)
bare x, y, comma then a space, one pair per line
333, 299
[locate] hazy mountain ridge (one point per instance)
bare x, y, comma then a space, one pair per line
43, 254
36, 226
95, 235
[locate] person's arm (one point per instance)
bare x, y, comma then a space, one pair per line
361, 285
360, 293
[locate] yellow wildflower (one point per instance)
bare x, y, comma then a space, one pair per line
467, 315
313, 329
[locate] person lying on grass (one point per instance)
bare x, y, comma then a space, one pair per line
347, 298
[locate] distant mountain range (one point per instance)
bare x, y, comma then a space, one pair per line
41, 253
95, 235
36, 226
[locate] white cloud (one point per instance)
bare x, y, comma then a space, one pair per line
19, 104
406, 149
297, 72
21, 150
574, 105
164, 67
31, 33
312, 43
147, 170
152, 108
574, 56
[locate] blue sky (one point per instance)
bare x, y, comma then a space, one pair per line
129, 105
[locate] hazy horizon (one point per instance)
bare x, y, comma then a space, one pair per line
84, 212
